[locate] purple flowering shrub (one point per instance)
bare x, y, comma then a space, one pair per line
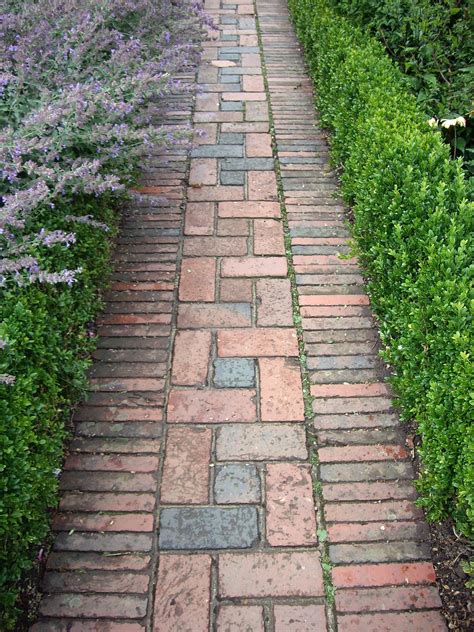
82, 83
79, 81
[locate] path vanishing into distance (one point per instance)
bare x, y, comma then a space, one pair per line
238, 465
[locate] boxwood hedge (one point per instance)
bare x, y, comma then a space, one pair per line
413, 233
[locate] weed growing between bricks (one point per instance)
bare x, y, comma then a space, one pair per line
305, 378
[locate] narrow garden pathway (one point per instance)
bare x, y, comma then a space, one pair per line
188, 498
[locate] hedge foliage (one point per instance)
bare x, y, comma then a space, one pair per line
432, 44
413, 233
81, 88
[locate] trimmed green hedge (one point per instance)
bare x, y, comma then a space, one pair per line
45, 328
413, 231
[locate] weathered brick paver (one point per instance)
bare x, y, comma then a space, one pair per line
188, 497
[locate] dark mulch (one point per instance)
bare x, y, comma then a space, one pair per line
449, 550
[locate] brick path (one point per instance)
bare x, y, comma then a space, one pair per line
188, 497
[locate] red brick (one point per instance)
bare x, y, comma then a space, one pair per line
376, 531
248, 343
134, 331
213, 406
256, 112
191, 357
103, 522
240, 619
126, 384
215, 246
350, 390
203, 171
332, 310
281, 394
258, 145
362, 453
251, 60
397, 598
183, 593
107, 481
250, 209
216, 193
268, 237
98, 605
215, 315
199, 218
103, 413
243, 96
322, 260
105, 626
207, 102
308, 618
369, 491
262, 185
346, 405
83, 501
186, 467
119, 445
206, 134
245, 9
197, 282
236, 290
274, 303
290, 506
252, 83
232, 227
334, 299
134, 319
70, 560
270, 574
388, 621
112, 463
247, 40
104, 582
254, 267
140, 287
388, 510
383, 574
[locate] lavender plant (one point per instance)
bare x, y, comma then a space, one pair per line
78, 81
82, 83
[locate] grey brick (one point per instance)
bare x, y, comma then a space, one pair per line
228, 79
194, 528
344, 362
248, 164
237, 70
261, 442
231, 138
232, 106
320, 250
229, 56
234, 372
217, 151
237, 484
239, 49
247, 23
232, 177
